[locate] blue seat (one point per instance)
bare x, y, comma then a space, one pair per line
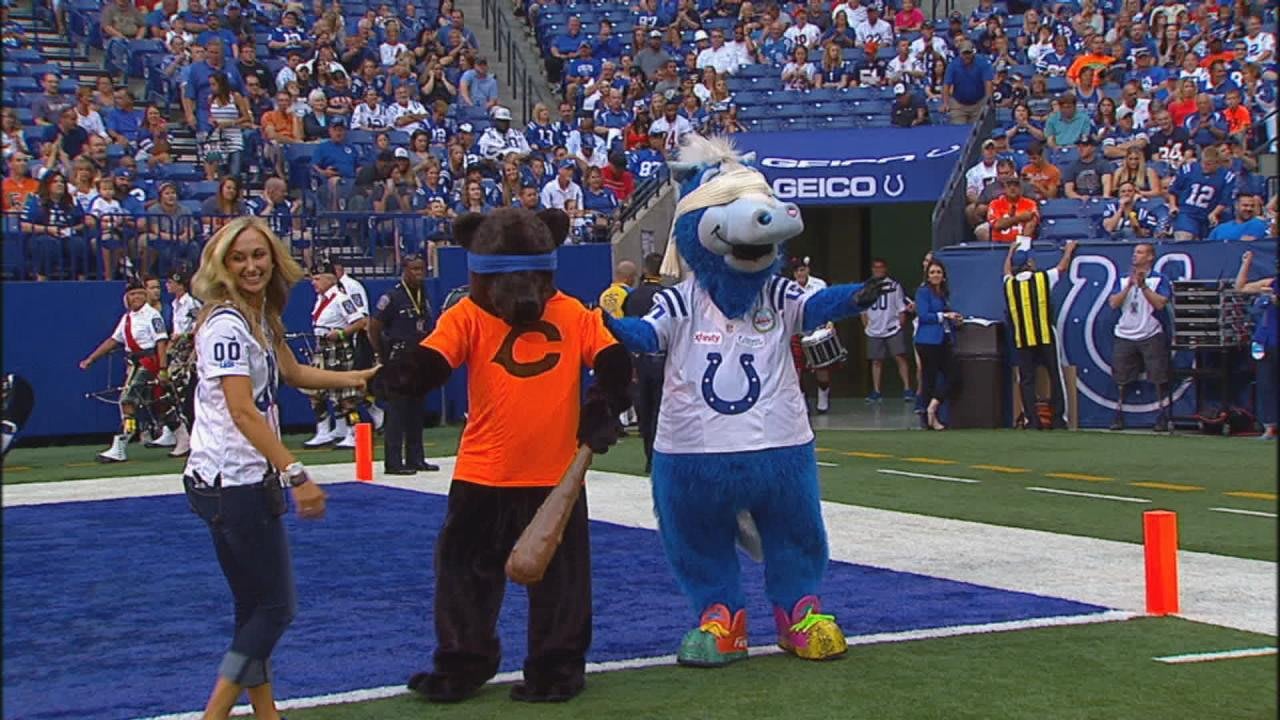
200, 190
793, 110
1056, 84
22, 83
1067, 229
1059, 209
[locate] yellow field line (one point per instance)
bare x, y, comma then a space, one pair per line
86, 464
1000, 468
1252, 495
1176, 487
872, 455
1078, 476
17, 468
930, 461
825, 449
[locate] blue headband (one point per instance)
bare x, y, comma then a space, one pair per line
495, 264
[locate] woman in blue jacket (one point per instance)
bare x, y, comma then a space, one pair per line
934, 337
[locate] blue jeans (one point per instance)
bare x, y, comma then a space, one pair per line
253, 550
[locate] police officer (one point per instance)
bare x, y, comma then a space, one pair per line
401, 320
648, 385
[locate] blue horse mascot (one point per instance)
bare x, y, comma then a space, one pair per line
734, 453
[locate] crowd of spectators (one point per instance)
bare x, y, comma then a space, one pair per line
1151, 112
1150, 116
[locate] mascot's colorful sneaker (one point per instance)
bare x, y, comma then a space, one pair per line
807, 633
720, 639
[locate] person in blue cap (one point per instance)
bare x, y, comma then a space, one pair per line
1027, 293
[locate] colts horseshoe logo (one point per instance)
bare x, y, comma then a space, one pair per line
730, 407
506, 356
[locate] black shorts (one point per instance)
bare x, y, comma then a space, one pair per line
1130, 357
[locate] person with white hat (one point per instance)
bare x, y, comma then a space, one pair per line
500, 140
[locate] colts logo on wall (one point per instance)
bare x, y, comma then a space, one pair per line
1086, 324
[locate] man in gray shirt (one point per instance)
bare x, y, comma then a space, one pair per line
48, 106
668, 79
652, 57
1090, 176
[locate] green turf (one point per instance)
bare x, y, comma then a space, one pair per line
1086, 672
1218, 465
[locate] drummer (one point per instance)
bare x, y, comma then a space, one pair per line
811, 284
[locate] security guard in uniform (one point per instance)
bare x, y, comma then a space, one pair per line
1027, 294
401, 320
648, 385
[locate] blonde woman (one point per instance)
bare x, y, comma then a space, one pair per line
234, 478
1134, 170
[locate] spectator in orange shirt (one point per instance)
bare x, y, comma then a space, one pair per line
18, 186
1097, 58
1237, 116
1042, 174
1011, 214
1186, 103
278, 130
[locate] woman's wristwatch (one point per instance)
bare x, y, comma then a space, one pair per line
296, 474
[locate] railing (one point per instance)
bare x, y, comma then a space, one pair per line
505, 39
640, 198
947, 7
159, 244
949, 226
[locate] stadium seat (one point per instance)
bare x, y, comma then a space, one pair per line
1067, 229
1059, 209
22, 83
200, 190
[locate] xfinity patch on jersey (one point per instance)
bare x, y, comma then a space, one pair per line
707, 338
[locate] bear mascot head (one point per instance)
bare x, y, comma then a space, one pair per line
511, 255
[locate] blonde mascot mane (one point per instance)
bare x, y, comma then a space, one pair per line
734, 181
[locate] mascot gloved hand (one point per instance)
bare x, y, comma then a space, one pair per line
734, 453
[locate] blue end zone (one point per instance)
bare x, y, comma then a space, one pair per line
116, 609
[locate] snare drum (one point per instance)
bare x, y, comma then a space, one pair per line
822, 348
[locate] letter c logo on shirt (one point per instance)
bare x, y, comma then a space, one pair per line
506, 356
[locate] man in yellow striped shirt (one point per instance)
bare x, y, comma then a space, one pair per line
1027, 294
624, 278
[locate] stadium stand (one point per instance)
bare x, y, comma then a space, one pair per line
433, 126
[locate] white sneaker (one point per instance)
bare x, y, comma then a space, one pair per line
348, 440
166, 439
824, 400
183, 445
324, 435
377, 415
116, 452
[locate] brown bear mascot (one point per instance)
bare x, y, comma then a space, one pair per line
525, 345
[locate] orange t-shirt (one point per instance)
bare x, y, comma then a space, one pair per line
1047, 179
14, 192
524, 389
281, 122
1237, 118
1099, 63
1000, 208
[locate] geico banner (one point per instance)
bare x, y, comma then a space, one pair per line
1085, 322
857, 167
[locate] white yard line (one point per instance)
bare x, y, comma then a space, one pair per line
1211, 656
1238, 511
927, 476
1095, 496
387, 691
827, 464
1220, 590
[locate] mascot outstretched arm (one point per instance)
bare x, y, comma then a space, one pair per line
733, 432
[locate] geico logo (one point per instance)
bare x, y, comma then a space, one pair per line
858, 186
793, 164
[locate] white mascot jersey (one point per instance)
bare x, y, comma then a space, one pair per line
731, 384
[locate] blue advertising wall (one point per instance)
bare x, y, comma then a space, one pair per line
869, 166
50, 327
1085, 321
